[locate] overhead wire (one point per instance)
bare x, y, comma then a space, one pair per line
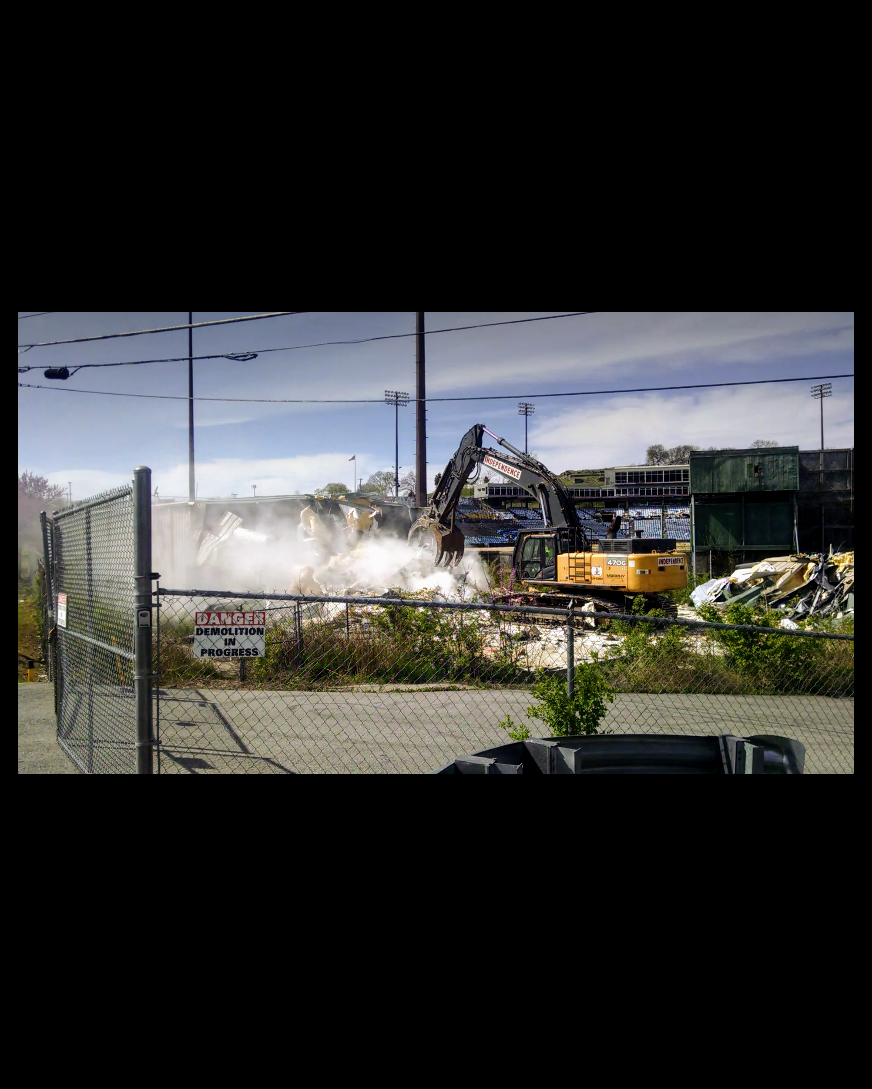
320, 344
477, 397
41, 314
162, 329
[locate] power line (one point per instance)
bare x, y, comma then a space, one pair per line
320, 344
482, 397
163, 329
41, 314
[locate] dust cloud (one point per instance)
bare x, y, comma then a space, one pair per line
320, 556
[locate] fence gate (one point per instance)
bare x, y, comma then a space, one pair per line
103, 697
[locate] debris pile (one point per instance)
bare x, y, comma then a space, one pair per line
801, 586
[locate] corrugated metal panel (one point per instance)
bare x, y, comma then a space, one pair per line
766, 525
175, 536
832, 472
725, 472
719, 525
769, 525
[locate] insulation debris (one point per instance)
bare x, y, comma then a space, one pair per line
802, 586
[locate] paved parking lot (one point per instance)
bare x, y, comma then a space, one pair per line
392, 729
403, 731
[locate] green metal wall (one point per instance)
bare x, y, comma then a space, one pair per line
767, 526
733, 471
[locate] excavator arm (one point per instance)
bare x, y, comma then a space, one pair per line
436, 530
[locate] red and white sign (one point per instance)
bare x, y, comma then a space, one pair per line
62, 610
229, 634
226, 619
502, 467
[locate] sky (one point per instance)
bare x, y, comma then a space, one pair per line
94, 441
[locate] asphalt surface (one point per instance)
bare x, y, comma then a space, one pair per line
38, 750
378, 731
392, 730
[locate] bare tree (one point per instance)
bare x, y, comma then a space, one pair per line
381, 482
678, 455
34, 494
763, 444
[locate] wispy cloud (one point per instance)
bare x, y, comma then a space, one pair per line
617, 431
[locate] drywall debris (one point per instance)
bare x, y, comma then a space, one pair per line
800, 586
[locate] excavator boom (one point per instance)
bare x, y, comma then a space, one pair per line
436, 531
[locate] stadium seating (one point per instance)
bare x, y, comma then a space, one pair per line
500, 527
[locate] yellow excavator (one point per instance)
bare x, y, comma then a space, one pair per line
559, 560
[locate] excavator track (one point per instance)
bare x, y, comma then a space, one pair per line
660, 601
601, 604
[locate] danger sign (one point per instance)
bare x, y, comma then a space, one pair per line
502, 467
229, 635
62, 610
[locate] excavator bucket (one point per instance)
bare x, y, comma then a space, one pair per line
443, 544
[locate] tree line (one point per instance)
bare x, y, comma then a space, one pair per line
380, 483
679, 455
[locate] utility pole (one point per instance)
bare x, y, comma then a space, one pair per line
526, 410
420, 415
393, 397
192, 492
825, 389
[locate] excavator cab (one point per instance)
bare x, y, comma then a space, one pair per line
538, 556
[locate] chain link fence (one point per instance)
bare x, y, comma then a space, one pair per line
90, 565
297, 684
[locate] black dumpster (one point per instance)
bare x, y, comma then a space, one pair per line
632, 754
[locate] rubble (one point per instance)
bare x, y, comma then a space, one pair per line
800, 586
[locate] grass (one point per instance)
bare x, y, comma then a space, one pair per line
394, 645
29, 630
730, 662
424, 647
398, 646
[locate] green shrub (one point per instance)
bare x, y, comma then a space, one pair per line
781, 664
398, 644
681, 596
580, 713
516, 733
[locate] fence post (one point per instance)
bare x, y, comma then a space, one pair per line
570, 650
43, 523
142, 676
89, 579
48, 604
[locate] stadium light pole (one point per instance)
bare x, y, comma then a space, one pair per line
395, 398
825, 389
526, 410
420, 414
192, 490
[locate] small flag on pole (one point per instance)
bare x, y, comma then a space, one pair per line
353, 457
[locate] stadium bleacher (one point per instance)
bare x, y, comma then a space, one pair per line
594, 521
